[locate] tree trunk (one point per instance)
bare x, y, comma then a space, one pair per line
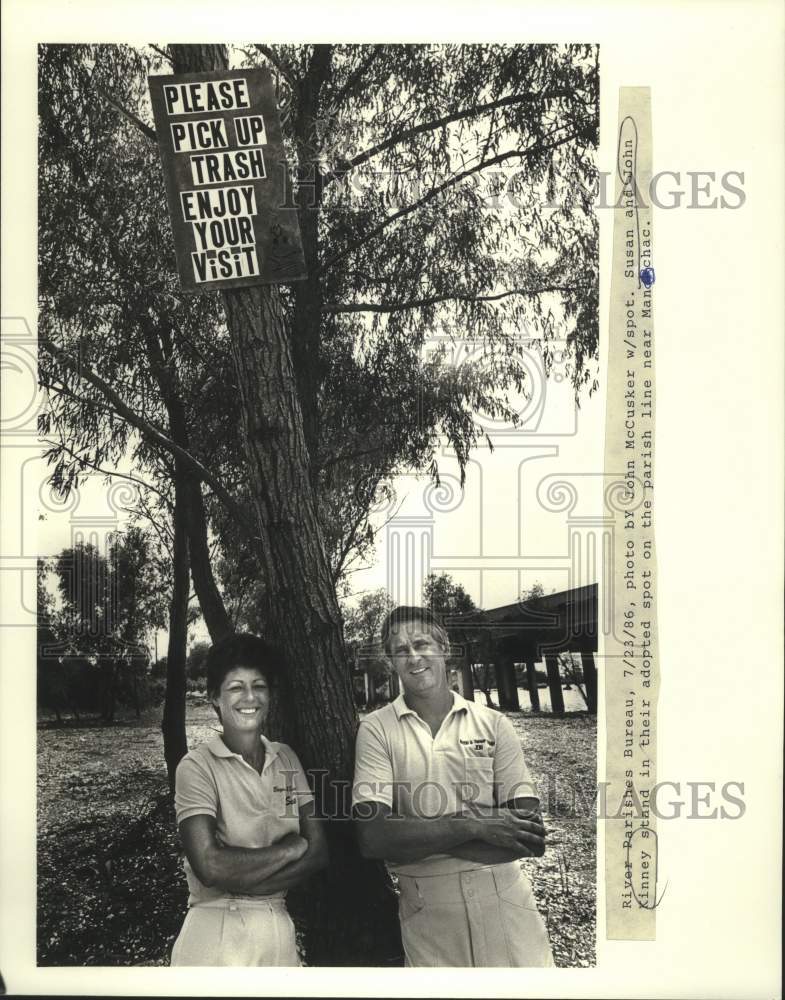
135, 693
161, 351
307, 294
216, 617
107, 691
173, 721
350, 908
350, 913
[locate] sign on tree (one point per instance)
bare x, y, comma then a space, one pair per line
226, 179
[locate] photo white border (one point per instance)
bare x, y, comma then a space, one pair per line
716, 72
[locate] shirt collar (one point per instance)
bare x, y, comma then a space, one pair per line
400, 707
218, 748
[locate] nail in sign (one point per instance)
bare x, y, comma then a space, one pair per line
227, 181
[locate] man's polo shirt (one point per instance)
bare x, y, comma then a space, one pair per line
250, 809
475, 757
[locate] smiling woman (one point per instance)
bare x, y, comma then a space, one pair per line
245, 814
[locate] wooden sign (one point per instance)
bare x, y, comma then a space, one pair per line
227, 180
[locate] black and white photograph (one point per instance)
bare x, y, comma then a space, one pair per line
288, 294
391, 509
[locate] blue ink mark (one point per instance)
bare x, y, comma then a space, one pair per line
647, 276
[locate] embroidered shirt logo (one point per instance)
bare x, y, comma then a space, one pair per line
479, 745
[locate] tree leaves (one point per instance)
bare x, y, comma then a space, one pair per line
451, 188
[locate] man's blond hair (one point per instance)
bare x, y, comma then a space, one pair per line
411, 614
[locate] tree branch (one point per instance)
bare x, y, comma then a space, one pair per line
430, 126
280, 65
349, 542
434, 192
152, 433
163, 531
355, 77
382, 307
345, 564
98, 468
161, 52
346, 455
146, 131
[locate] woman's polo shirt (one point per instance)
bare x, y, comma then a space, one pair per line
250, 809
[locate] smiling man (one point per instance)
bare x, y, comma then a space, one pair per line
443, 795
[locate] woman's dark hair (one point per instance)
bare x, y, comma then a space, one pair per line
243, 650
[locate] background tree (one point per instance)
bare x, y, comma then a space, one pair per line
197, 661
530, 593
450, 601
55, 676
410, 228
362, 623
92, 648
572, 671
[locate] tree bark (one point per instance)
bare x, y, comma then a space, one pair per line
307, 320
173, 721
350, 908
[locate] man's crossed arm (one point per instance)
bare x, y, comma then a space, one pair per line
490, 836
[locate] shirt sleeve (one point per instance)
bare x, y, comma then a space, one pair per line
195, 793
373, 774
511, 776
301, 787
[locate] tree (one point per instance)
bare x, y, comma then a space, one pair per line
405, 230
450, 601
120, 355
362, 624
572, 670
93, 649
197, 661
529, 594
54, 677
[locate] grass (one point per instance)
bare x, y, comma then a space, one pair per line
110, 885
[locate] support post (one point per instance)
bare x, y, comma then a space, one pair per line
466, 680
395, 686
590, 680
531, 680
369, 686
554, 684
505, 683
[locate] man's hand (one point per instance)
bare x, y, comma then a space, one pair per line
513, 829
